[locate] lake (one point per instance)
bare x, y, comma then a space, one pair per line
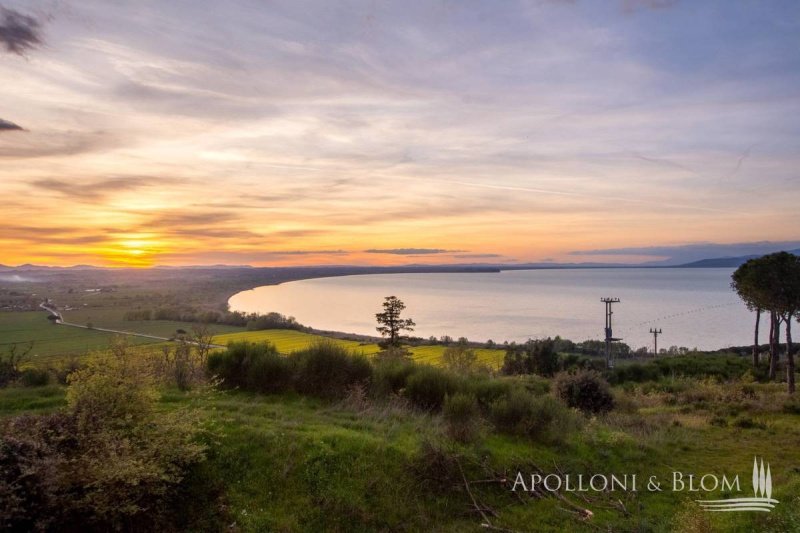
695, 307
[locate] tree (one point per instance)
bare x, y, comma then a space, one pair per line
772, 283
460, 358
533, 357
747, 282
390, 323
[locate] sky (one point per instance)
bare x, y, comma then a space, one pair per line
394, 132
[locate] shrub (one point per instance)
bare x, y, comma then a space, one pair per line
533, 357
512, 413
269, 372
746, 422
461, 416
234, 365
488, 390
34, 377
460, 359
389, 376
585, 390
110, 461
427, 387
66, 368
328, 370
792, 406
541, 418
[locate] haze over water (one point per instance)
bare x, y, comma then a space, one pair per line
693, 307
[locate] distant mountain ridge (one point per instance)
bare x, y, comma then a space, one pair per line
716, 262
722, 262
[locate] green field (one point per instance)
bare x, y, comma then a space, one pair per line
287, 341
114, 319
50, 340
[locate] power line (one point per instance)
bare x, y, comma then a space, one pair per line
655, 332
609, 335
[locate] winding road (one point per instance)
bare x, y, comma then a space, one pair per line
60, 321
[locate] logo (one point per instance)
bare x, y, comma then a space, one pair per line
761, 502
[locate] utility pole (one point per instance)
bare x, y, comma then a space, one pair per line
655, 332
609, 335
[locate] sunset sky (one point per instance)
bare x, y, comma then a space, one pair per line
295, 132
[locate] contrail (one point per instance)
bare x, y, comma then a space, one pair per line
576, 194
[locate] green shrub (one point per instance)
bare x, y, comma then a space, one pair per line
533, 357
541, 418
460, 359
63, 370
719, 421
489, 390
512, 413
585, 390
551, 421
108, 462
635, 372
328, 370
746, 422
792, 406
34, 377
389, 376
461, 416
235, 364
269, 372
427, 387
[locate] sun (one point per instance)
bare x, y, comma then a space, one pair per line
135, 251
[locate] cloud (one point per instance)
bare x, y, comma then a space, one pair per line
18, 32
478, 256
629, 6
411, 251
5, 125
695, 251
55, 143
98, 189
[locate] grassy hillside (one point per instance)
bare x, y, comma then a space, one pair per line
289, 463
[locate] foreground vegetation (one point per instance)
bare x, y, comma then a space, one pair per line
325, 439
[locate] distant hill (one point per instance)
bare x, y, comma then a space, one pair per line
722, 262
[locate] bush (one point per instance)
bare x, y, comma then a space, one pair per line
512, 413
533, 357
488, 390
34, 377
235, 364
541, 418
108, 462
585, 390
636, 373
328, 370
269, 372
427, 387
66, 368
389, 376
461, 416
460, 359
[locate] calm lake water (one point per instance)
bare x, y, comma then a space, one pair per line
695, 307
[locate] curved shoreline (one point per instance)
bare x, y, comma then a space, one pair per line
291, 303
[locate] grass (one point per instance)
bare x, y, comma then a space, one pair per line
50, 340
289, 463
287, 341
113, 318
433, 355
